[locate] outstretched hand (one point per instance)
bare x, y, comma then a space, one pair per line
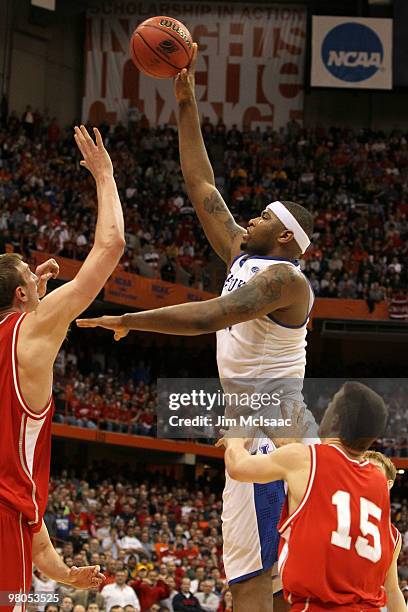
115, 324
184, 83
96, 158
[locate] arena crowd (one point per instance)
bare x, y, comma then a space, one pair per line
355, 183
158, 541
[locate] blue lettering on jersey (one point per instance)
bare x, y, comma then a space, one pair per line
264, 450
231, 283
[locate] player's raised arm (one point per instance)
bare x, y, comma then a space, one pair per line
44, 328
223, 233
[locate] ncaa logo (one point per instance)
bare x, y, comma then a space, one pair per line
254, 270
352, 52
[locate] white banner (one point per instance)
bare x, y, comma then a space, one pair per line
250, 69
352, 52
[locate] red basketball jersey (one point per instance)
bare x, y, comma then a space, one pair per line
25, 436
337, 547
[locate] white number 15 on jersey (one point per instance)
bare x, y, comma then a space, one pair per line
341, 537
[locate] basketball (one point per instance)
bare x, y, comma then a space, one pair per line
161, 46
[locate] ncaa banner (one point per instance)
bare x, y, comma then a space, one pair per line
250, 69
352, 52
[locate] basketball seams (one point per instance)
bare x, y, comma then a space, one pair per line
156, 27
140, 65
157, 55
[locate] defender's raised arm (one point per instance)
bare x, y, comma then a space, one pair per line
44, 328
223, 233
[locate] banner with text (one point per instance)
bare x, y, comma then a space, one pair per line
352, 52
250, 68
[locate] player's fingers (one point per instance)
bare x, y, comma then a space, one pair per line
87, 323
80, 142
284, 411
298, 413
98, 137
193, 60
87, 137
220, 442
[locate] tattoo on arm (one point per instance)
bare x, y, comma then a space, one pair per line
215, 205
259, 293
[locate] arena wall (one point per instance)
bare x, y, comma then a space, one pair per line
378, 110
46, 68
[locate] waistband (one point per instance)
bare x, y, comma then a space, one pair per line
12, 512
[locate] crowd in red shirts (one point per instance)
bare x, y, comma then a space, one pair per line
160, 536
355, 183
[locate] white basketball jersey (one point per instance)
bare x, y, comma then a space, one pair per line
260, 348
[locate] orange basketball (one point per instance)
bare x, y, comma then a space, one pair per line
161, 47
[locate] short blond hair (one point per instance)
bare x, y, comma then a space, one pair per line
383, 462
10, 278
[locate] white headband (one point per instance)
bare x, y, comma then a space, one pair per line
289, 221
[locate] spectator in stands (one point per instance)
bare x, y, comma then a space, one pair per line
226, 602
42, 584
118, 593
89, 599
130, 544
185, 601
67, 604
150, 590
209, 601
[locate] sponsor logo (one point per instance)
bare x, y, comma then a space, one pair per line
167, 23
352, 52
167, 46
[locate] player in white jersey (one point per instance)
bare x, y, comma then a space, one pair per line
261, 320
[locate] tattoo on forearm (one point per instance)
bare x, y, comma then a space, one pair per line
262, 291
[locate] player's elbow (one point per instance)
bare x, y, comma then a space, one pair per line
204, 320
114, 246
235, 472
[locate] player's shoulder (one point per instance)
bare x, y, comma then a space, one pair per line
293, 453
284, 274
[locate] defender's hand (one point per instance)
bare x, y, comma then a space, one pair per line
184, 83
115, 324
85, 577
96, 158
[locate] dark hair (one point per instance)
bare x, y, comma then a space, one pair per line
362, 415
302, 216
10, 278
